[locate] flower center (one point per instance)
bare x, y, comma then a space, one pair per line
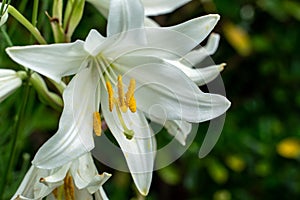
122, 102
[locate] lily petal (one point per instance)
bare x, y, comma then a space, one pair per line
75, 134
85, 174
196, 56
53, 61
8, 84
124, 15
101, 195
159, 7
94, 37
159, 43
31, 187
170, 89
139, 151
4, 15
179, 129
200, 76
197, 29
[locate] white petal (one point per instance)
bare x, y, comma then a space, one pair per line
8, 87
97, 182
82, 194
179, 129
56, 176
212, 43
196, 56
198, 28
139, 152
124, 15
31, 187
101, 195
4, 16
75, 133
83, 170
85, 174
168, 88
93, 40
53, 61
158, 43
200, 76
158, 7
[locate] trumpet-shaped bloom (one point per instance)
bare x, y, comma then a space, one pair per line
4, 15
104, 68
78, 179
9, 82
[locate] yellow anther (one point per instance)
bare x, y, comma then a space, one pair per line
121, 95
130, 91
97, 123
110, 95
132, 104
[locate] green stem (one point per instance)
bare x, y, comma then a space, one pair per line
35, 12
32, 29
18, 128
6, 36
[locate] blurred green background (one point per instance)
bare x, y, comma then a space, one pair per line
258, 153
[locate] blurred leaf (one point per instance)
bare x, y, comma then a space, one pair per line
217, 171
238, 38
293, 8
235, 162
222, 195
170, 175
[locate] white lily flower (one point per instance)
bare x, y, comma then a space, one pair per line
152, 7
78, 179
10, 80
4, 16
100, 64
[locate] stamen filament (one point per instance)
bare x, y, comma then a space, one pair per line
106, 72
127, 132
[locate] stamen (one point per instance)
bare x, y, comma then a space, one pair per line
121, 95
132, 104
69, 188
110, 96
97, 123
130, 100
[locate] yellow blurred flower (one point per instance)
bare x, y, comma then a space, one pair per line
289, 148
